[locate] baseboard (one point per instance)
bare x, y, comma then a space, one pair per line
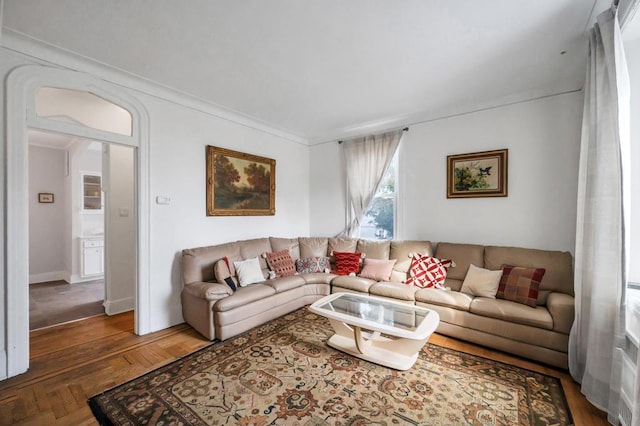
48, 276
73, 279
112, 307
3, 365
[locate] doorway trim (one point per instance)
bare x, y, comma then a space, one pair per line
21, 86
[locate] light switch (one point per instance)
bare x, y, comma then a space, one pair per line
163, 199
123, 212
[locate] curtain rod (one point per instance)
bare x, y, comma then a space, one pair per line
406, 129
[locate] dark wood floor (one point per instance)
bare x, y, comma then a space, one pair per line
74, 361
57, 302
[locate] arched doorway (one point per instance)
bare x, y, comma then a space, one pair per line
21, 114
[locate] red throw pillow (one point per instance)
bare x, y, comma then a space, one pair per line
427, 271
346, 263
520, 284
281, 263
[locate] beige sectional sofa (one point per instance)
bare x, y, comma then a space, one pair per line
540, 333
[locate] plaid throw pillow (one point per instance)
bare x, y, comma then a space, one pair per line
520, 284
346, 263
427, 271
281, 263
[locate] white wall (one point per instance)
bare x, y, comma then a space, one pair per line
632, 51
179, 137
543, 141
46, 221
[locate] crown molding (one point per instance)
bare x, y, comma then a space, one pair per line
59, 57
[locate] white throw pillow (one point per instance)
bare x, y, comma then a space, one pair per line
481, 282
248, 271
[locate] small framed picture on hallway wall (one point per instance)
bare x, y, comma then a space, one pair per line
477, 174
45, 197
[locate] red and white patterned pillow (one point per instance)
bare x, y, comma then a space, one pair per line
347, 263
281, 263
427, 271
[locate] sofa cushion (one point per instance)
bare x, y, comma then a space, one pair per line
402, 251
557, 264
342, 244
281, 263
317, 278
396, 291
285, 283
197, 263
248, 271
512, 312
346, 263
481, 282
313, 246
208, 291
308, 265
463, 255
427, 271
520, 284
447, 298
377, 269
244, 296
291, 244
255, 248
374, 249
351, 283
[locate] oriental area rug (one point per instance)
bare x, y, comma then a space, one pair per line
283, 373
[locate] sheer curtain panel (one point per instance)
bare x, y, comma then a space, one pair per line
598, 333
366, 160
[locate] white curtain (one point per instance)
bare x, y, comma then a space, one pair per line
598, 333
366, 161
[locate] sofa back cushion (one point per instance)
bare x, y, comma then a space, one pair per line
255, 248
198, 263
463, 255
291, 244
342, 244
374, 249
401, 250
313, 246
558, 266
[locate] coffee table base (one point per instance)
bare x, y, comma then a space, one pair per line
399, 353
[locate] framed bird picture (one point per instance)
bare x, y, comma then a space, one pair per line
478, 174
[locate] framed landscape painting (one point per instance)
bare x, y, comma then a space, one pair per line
478, 174
240, 184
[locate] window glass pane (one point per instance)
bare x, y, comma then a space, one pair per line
84, 108
379, 221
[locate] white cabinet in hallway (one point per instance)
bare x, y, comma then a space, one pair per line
91, 256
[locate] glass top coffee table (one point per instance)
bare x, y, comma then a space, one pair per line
360, 320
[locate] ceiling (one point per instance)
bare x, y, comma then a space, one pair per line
321, 70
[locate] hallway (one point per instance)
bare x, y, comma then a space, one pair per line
57, 302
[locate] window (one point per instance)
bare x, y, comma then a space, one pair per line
380, 220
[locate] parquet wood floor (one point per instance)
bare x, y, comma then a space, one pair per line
74, 361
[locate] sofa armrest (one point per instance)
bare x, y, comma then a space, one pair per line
562, 310
208, 291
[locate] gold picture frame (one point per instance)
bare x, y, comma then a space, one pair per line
240, 184
478, 174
